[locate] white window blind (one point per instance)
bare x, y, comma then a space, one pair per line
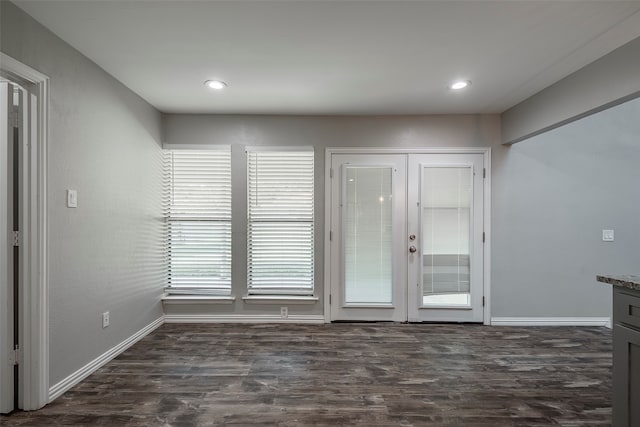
280, 221
198, 214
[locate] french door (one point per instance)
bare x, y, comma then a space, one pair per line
368, 198
406, 238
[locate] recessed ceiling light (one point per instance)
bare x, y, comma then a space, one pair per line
459, 84
215, 84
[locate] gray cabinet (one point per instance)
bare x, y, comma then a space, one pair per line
626, 357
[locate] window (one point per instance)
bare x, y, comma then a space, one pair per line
198, 214
280, 221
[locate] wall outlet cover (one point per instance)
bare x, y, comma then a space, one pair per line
72, 198
608, 235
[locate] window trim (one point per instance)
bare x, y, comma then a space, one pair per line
196, 147
168, 299
280, 299
287, 148
275, 296
203, 294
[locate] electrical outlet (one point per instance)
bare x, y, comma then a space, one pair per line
607, 236
284, 312
105, 319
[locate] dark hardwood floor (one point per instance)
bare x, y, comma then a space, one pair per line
346, 374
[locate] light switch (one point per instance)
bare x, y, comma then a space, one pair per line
607, 236
72, 198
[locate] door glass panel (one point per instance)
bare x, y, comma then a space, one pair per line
446, 199
367, 235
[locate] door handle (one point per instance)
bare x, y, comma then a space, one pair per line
412, 249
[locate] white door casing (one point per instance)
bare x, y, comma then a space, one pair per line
417, 306
34, 323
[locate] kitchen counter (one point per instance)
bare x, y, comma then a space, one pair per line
626, 348
624, 281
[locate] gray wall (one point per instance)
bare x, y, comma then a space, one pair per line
563, 181
321, 132
611, 80
104, 141
552, 196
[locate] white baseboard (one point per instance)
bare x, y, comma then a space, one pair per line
242, 318
58, 389
551, 321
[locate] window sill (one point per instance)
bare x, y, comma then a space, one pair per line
279, 299
197, 299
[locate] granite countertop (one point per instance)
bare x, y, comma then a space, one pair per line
628, 281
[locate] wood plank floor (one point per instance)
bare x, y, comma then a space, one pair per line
346, 374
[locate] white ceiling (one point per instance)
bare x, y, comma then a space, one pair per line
339, 57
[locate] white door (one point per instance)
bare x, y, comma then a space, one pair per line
406, 237
10, 157
368, 217
445, 226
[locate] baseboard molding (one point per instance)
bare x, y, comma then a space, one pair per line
551, 321
58, 389
242, 318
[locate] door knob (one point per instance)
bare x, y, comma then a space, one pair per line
412, 249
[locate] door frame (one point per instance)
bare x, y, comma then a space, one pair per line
485, 151
34, 308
